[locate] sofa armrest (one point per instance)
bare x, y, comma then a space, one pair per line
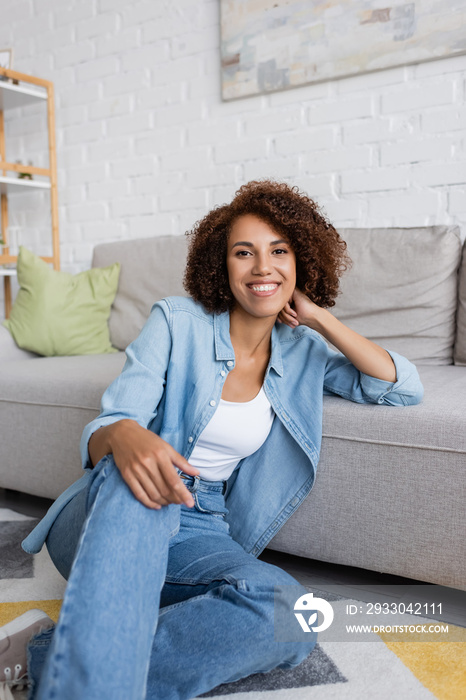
9, 350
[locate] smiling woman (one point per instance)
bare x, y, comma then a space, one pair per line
295, 218
262, 277
206, 443
260, 266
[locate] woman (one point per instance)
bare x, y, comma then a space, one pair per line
205, 445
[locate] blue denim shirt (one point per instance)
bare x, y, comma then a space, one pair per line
172, 383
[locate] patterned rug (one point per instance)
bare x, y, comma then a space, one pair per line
382, 668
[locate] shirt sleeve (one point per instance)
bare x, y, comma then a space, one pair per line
342, 378
137, 392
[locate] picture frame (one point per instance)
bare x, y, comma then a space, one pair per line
271, 45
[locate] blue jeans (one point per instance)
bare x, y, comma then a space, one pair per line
159, 603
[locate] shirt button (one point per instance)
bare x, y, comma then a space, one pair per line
223, 373
230, 363
190, 439
212, 403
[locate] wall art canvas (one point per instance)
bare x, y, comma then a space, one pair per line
269, 45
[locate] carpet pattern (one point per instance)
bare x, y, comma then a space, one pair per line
380, 668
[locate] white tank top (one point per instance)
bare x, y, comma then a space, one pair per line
235, 431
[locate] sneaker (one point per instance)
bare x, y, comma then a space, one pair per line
14, 638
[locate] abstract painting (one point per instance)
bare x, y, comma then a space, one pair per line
269, 45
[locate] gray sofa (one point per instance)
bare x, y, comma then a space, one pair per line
390, 490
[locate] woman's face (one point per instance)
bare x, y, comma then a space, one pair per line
261, 267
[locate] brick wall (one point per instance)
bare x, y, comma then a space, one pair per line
146, 146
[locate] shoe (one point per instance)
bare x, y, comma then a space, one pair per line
14, 638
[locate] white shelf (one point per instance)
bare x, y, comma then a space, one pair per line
8, 272
12, 96
9, 185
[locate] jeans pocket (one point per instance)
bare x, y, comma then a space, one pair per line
212, 503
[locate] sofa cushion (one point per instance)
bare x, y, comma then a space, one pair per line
57, 313
401, 291
9, 350
151, 268
435, 424
45, 403
460, 342
59, 381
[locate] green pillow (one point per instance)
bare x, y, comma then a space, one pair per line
57, 313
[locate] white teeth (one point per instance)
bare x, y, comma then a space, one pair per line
264, 288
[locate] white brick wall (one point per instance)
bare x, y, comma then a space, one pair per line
146, 146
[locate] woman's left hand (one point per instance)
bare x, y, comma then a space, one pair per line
303, 313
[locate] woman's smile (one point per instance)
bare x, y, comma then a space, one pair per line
263, 290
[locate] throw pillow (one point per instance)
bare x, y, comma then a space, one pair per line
57, 313
401, 291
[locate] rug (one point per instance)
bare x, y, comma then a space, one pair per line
383, 668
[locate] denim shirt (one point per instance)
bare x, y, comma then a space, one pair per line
172, 382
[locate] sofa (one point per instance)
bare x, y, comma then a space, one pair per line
390, 489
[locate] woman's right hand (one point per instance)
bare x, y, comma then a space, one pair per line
145, 461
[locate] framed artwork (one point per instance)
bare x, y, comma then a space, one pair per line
269, 45
6, 58
6, 61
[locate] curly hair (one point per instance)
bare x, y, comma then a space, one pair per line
321, 256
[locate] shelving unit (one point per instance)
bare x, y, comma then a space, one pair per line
28, 90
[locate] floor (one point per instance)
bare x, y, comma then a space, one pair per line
348, 581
